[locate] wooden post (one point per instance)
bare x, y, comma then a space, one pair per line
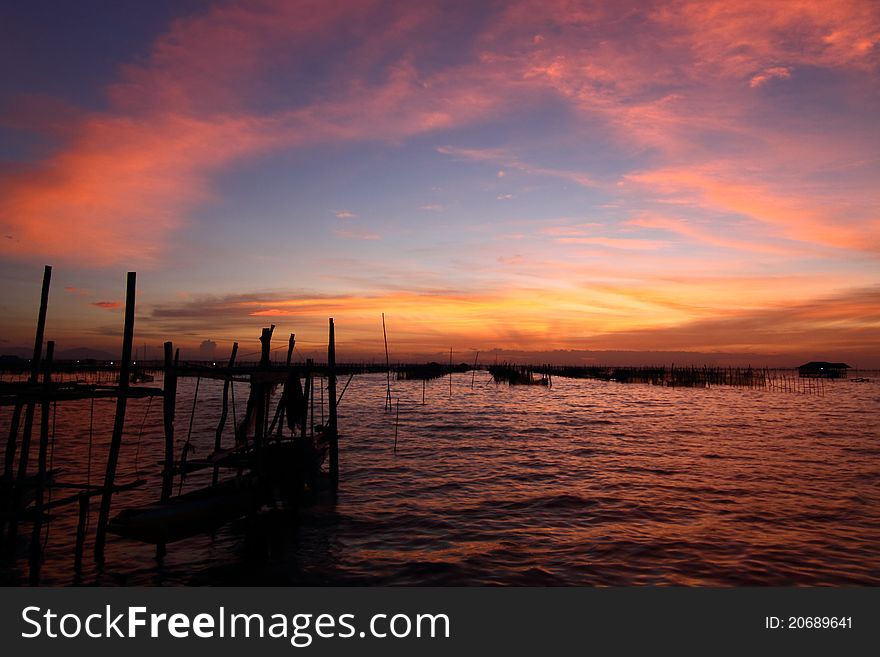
307, 392
14, 423
44, 419
474, 373
309, 366
169, 406
331, 393
291, 343
35, 373
387, 368
266, 346
286, 394
260, 391
15, 497
224, 412
42, 472
450, 371
119, 420
396, 422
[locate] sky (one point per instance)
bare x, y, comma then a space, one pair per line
528, 177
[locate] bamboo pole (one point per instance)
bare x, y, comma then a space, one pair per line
260, 392
35, 373
14, 424
169, 405
331, 393
387, 368
224, 412
15, 497
309, 366
396, 422
307, 392
450, 371
36, 556
119, 420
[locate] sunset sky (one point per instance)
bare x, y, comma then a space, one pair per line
525, 175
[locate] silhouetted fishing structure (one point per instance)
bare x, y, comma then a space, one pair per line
514, 375
276, 458
428, 371
692, 377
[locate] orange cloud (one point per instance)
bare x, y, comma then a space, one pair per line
793, 216
713, 236
615, 242
685, 316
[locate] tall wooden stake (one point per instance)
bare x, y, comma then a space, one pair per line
169, 406
291, 343
36, 556
331, 393
35, 373
261, 392
119, 420
310, 374
224, 412
450, 371
307, 390
15, 498
387, 368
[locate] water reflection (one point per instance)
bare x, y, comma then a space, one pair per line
584, 483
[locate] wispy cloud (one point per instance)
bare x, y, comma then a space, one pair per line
774, 72
357, 235
498, 156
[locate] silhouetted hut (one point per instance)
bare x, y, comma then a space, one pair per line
823, 370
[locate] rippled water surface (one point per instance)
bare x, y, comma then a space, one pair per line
584, 483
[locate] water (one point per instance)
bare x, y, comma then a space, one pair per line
585, 483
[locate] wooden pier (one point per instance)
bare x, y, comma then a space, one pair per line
276, 456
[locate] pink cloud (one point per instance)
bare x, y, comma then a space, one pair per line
793, 216
774, 72
713, 236
125, 179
